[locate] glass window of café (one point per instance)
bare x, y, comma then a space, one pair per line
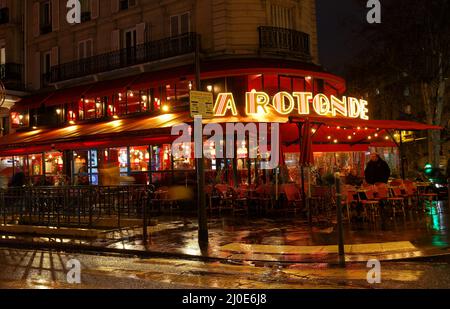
161, 164
85, 167
139, 158
36, 165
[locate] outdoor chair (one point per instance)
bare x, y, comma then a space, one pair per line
293, 198
225, 197
394, 202
240, 201
370, 204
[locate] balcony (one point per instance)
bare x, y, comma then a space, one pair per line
11, 76
144, 53
285, 42
4, 16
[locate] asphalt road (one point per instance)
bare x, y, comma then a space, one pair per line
48, 270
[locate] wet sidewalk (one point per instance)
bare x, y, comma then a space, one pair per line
279, 239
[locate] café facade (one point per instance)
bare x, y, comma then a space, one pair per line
69, 136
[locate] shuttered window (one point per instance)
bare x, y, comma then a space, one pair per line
281, 17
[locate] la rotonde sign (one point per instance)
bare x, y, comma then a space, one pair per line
257, 103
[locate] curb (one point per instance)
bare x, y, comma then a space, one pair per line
95, 250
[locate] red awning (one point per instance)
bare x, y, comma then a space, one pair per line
371, 124
122, 132
68, 95
109, 87
34, 101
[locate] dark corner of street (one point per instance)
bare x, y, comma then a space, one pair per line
225, 153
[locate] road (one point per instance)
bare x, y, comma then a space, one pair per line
48, 270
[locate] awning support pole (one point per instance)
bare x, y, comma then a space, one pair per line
203, 237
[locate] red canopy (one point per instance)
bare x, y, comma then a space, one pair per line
67, 95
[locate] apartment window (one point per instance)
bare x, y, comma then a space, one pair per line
46, 17
281, 17
85, 49
126, 4
4, 14
85, 10
179, 24
46, 66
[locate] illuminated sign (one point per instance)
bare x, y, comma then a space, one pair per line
284, 103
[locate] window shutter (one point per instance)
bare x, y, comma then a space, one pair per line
140, 33
89, 48
36, 14
115, 40
55, 15
174, 31
54, 58
95, 9
185, 23
114, 6
36, 73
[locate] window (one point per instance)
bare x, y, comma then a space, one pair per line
46, 17
2, 55
85, 10
281, 17
126, 4
46, 66
85, 49
4, 126
4, 15
179, 24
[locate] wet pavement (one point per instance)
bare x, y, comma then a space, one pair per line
283, 239
36, 269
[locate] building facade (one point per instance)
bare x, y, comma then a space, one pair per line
108, 90
11, 59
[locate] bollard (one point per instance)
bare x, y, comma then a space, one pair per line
144, 218
339, 221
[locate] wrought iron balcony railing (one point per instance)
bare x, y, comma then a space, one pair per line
285, 41
11, 76
140, 54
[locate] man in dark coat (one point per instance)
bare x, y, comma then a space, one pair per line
377, 170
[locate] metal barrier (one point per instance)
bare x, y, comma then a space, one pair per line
73, 206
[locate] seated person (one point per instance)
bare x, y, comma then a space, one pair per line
353, 179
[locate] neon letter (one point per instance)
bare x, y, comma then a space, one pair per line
254, 100
303, 101
364, 109
225, 102
354, 109
338, 106
321, 104
279, 103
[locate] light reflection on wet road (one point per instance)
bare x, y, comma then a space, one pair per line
47, 270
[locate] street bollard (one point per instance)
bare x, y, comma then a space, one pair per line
144, 218
339, 221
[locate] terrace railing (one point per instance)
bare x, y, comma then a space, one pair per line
140, 54
285, 41
73, 206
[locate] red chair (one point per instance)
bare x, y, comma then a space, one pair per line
293, 197
394, 201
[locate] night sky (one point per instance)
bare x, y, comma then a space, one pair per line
339, 22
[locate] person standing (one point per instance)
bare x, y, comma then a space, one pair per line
377, 170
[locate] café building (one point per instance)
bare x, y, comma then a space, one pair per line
70, 136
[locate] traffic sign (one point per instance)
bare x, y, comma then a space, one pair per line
202, 104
